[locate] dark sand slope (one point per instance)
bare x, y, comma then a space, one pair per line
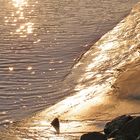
107, 80
129, 82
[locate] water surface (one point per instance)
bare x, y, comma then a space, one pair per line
40, 41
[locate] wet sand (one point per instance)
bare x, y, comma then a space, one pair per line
78, 116
122, 98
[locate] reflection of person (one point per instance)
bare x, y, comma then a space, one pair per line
55, 123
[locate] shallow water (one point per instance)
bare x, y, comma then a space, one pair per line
40, 41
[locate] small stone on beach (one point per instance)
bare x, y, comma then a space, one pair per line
55, 123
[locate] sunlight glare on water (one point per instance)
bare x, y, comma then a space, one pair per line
18, 19
19, 3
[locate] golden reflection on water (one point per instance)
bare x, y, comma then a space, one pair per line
25, 29
20, 3
11, 68
19, 18
29, 68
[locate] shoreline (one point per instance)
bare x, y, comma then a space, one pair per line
112, 89
85, 116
